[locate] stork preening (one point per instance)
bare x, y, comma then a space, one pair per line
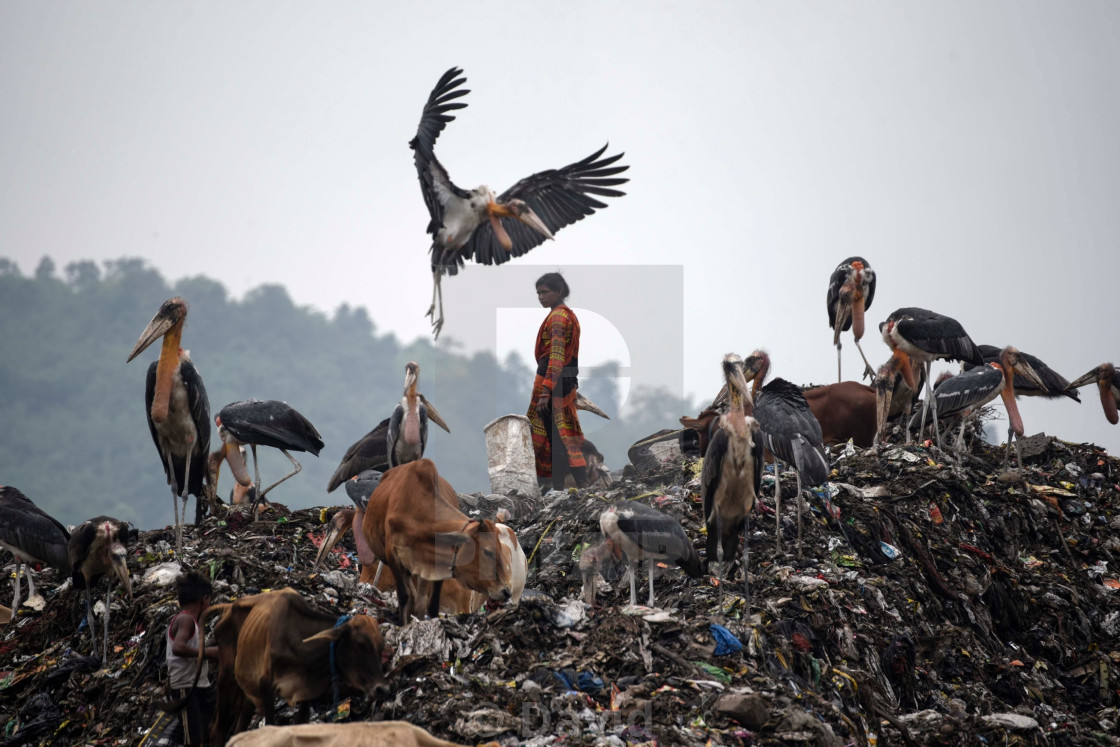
925, 336
475, 224
255, 423
893, 394
732, 473
33, 536
638, 531
979, 386
789, 431
851, 289
1107, 379
178, 411
1054, 385
358, 488
408, 426
368, 453
97, 548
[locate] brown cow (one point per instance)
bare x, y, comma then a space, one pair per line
276, 645
363, 734
413, 524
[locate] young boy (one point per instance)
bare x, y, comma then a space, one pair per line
183, 641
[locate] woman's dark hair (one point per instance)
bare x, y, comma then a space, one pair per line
193, 586
554, 281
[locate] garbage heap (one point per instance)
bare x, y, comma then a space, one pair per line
934, 600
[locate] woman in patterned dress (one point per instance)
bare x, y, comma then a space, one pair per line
557, 437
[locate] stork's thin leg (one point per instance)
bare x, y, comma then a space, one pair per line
633, 565
798, 499
959, 443
839, 372
437, 297
868, 371
933, 406
922, 425
651, 582
377, 573
295, 471
746, 557
105, 624
89, 618
777, 505
719, 557
175, 508
256, 469
16, 600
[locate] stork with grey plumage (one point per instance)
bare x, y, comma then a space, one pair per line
1107, 379
33, 536
851, 289
178, 412
255, 423
639, 532
789, 431
407, 436
925, 336
99, 547
1054, 385
491, 229
977, 387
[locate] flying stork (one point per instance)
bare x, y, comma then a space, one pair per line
1108, 381
1054, 385
732, 473
851, 289
476, 224
788, 430
32, 536
925, 335
255, 423
98, 547
979, 386
638, 531
178, 411
408, 426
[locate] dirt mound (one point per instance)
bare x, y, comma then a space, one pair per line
933, 602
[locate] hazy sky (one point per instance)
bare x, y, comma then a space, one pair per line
968, 150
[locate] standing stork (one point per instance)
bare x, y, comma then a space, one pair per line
408, 425
255, 423
368, 453
1108, 381
639, 531
178, 411
732, 473
32, 536
979, 386
925, 335
788, 430
851, 289
98, 547
476, 224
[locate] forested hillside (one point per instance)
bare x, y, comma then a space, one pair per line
75, 438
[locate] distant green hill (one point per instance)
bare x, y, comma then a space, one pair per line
75, 438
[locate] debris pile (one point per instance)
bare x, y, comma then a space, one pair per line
935, 601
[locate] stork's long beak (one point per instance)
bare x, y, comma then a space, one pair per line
232, 454
117, 556
1024, 369
338, 526
156, 329
433, 415
533, 221
583, 403
410, 379
738, 390
1088, 378
906, 370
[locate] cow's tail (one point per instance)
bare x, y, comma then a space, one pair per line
172, 706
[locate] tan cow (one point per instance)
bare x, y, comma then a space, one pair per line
364, 734
281, 647
413, 524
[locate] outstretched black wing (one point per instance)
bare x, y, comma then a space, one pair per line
559, 197
435, 184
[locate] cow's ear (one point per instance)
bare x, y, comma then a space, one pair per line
331, 634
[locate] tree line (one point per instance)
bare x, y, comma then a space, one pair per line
75, 436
